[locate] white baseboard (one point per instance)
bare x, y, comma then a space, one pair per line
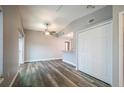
1, 80
69, 62
1, 75
14, 78
42, 59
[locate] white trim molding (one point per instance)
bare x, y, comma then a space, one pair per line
65, 61
121, 46
48, 59
14, 78
77, 67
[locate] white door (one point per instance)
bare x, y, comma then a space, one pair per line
95, 52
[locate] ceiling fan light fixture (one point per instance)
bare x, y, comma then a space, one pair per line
47, 33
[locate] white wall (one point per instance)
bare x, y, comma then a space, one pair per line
1, 42
11, 25
21, 50
95, 52
41, 47
82, 23
69, 57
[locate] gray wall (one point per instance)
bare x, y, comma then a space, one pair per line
69, 57
1, 42
116, 10
11, 24
82, 23
41, 47
104, 14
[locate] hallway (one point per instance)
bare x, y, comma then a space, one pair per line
54, 73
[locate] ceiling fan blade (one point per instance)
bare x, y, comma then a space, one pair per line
53, 32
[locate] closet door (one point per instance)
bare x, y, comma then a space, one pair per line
95, 52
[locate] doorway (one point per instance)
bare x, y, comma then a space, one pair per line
21, 47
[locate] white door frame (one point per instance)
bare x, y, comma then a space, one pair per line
121, 46
1, 42
22, 46
78, 32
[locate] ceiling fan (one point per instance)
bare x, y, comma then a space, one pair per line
47, 32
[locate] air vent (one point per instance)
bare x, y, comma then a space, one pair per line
90, 6
91, 20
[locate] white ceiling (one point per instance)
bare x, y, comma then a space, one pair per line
67, 36
34, 17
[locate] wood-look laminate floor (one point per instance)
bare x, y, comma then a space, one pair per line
54, 74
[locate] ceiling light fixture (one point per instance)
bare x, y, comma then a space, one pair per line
46, 30
47, 33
